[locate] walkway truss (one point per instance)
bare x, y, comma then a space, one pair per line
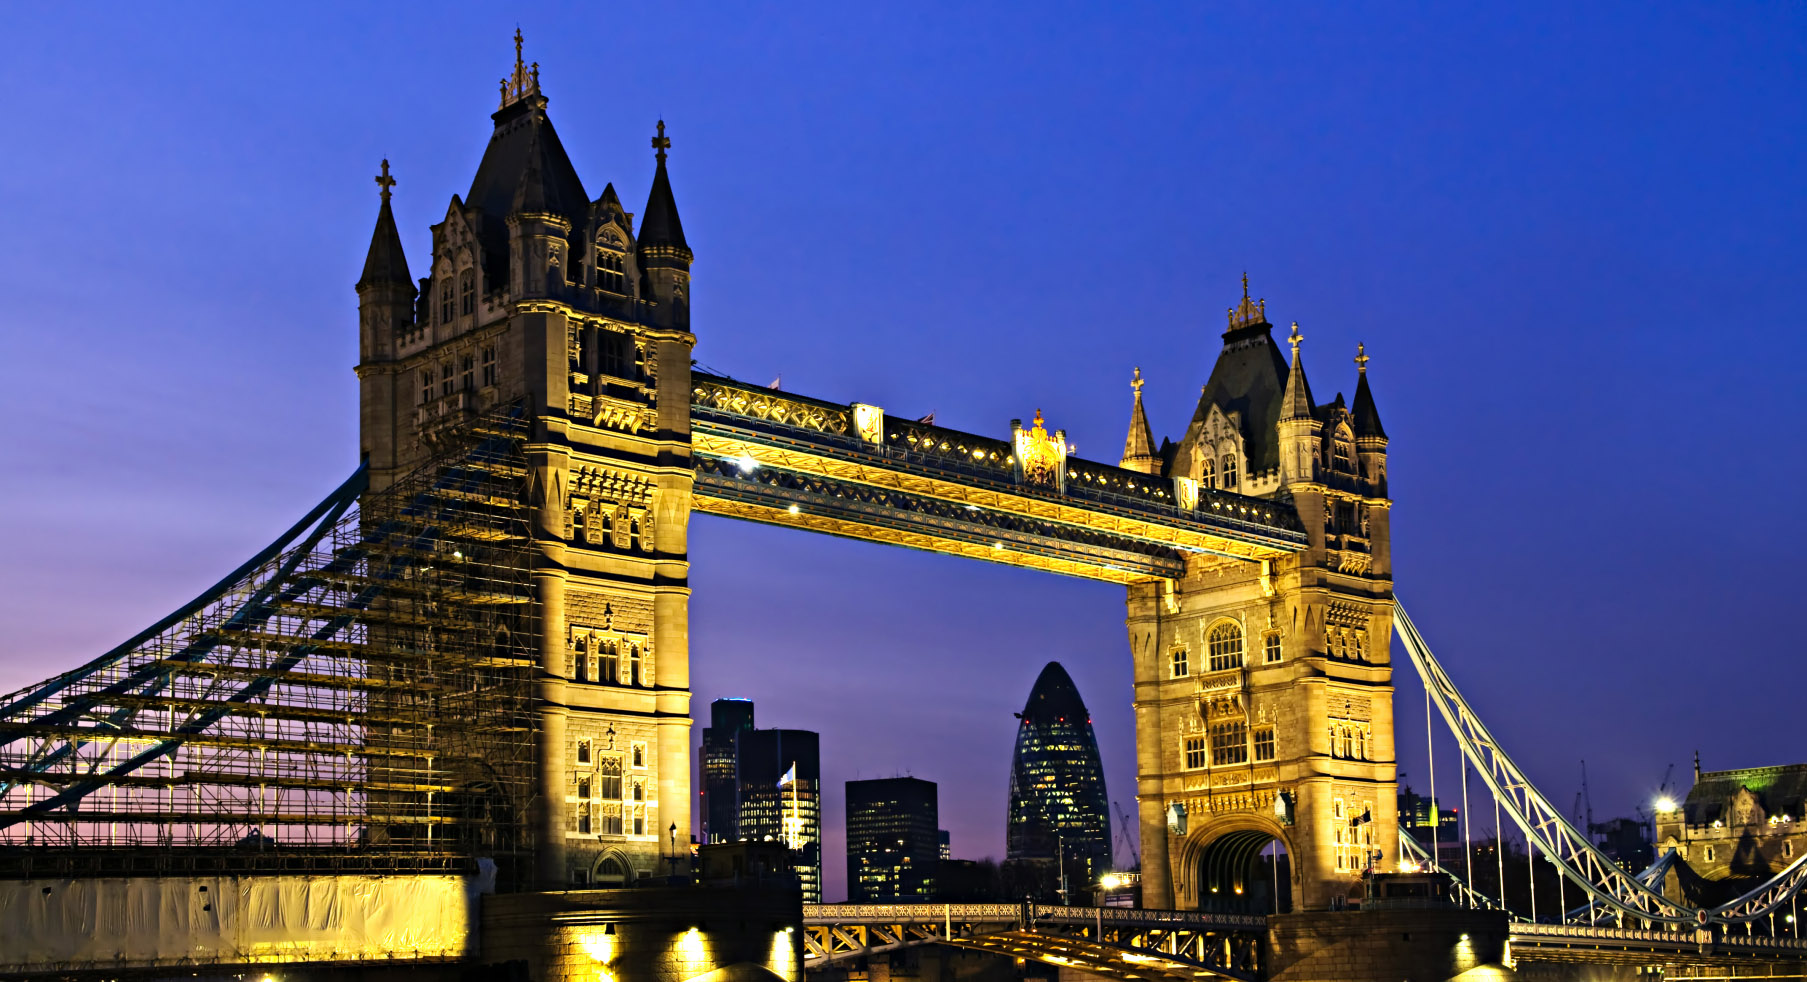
1615, 893
354, 697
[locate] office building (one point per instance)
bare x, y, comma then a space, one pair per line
893, 848
1059, 820
728, 718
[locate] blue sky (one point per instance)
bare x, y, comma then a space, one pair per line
1571, 237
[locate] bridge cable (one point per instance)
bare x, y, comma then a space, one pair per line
1467, 825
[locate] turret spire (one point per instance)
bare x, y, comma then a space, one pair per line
1138, 448
1248, 313
1296, 403
385, 263
524, 81
660, 229
1367, 418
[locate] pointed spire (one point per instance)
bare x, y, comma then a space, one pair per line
524, 81
660, 228
1296, 402
1367, 418
1248, 313
385, 262
1138, 448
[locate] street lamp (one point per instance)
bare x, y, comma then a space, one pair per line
673, 858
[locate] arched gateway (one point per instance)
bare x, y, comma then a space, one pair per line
1254, 550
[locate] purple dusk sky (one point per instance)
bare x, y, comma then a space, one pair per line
1571, 237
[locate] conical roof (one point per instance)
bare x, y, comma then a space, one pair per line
385, 263
1054, 698
1296, 403
1138, 447
523, 138
1367, 418
659, 224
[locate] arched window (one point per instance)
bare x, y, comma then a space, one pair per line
610, 872
611, 271
1229, 471
446, 299
582, 659
639, 755
1345, 457
1208, 476
639, 791
467, 292
1225, 647
583, 755
583, 788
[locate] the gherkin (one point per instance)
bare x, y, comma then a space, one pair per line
1059, 811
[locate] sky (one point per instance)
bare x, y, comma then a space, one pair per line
1571, 236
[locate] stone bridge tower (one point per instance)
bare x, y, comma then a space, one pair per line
1263, 692
537, 295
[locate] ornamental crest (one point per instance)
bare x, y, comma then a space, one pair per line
869, 422
1041, 458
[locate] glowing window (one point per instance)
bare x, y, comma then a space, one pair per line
1264, 743
1225, 647
1229, 743
1195, 753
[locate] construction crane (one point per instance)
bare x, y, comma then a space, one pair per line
1123, 827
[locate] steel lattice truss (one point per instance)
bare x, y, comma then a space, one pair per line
357, 694
1543, 824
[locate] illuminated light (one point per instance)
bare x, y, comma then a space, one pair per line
794, 510
1111, 881
1665, 804
746, 463
600, 947
1464, 937
997, 545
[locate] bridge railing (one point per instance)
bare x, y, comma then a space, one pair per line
927, 913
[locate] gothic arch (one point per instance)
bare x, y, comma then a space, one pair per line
602, 873
1225, 853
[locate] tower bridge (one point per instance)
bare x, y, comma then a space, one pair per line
445, 717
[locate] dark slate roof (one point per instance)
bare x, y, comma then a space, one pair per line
659, 226
523, 135
1054, 697
1296, 403
1367, 418
1780, 790
1249, 378
385, 262
1139, 445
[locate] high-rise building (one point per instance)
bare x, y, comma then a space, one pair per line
728, 718
893, 848
1059, 813
779, 778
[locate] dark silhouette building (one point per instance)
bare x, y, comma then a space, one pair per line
728, 718
1059, 811
893, 849
764, 786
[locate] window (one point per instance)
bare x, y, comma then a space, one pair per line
583, 754
1229, 743
1208, 476
467, 373
583, 788
1226, 647
639, 822
1344, 455
445, 378
616, 352
445, 299
1709, 854
1229, 471
1195, 753
639, 755
577, 521
1788, 849
1358, 645
609, 663
1179, 663
583, 819
611, 274
1264, 743
467, 292
1270, 647
610, 825
634, 676
489, 365
608, 778
426, 385
639, 791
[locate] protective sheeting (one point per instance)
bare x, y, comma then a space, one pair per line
59, 924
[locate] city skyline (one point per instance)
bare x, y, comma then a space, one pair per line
212, 321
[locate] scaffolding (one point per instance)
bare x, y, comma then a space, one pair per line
356, 697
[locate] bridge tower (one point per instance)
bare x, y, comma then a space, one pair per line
1263, 691
537, 296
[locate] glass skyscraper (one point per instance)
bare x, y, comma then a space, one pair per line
728, 718
1059, 811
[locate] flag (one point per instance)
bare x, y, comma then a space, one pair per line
929, 419
777, 383
790, 776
